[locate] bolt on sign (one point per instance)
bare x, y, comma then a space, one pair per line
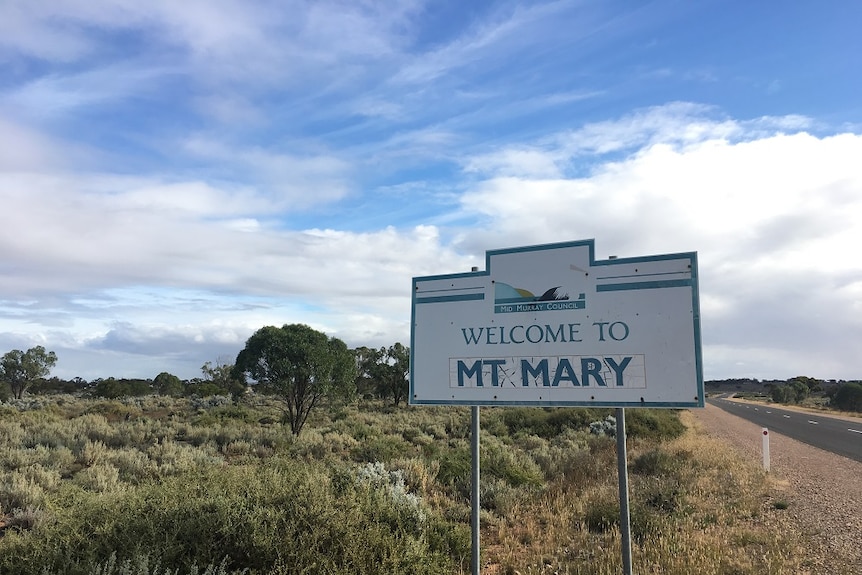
548, 325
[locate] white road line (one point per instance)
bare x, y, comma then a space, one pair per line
787, 417
813, 422
854, 430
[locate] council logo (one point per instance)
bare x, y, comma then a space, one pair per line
510, 299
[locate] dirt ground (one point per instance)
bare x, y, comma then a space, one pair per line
823, 490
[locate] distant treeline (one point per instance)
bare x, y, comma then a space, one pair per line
711, 383
218, 380
845, 395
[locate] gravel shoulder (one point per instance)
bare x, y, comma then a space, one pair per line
823, 490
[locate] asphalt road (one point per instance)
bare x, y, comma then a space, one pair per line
836, 435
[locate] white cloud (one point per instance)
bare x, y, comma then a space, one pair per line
774, 218
674, 124
498, 36
266, 43
289, 180
25, 149
60, 94
516, 162
116, 230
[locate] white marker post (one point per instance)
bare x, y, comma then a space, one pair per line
765, 449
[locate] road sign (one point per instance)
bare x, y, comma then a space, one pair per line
548, 325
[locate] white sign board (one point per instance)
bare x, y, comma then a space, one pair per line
549, 326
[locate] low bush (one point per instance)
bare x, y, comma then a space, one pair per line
549, 422
604, 515
455, 468
135, 485
383, 448
656, 424
654, 462
513, 466
262, 519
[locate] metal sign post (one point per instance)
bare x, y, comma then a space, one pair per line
622, 470
474, 496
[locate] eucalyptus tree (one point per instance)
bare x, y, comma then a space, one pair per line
20, 369
394, 370
384, 371
168, 384
299, 365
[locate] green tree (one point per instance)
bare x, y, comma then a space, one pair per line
800, 390
813, 384
794, 391
394, 370
384, 371
110, 388
848, 397
168, 384
299, 365
20, 369
54, 384
113, 388
222, 376
778, 393
367, 359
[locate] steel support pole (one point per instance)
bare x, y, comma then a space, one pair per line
474, 496
622, 469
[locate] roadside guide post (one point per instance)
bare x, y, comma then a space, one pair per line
551, 326
765, 449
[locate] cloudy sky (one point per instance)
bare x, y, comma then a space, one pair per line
175, 175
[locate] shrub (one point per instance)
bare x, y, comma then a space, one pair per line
383, 448
498, 495
658, 424
606, 426
98, 478
214, 401
93, 452
454, 472
264, 518
511, 465
654, 462
391, 483
419, 474
604, 515
549, 422
665, 497
143, 564
20, 490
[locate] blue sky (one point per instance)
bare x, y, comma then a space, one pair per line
175, 175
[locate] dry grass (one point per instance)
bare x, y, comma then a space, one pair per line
550, 501
710, 513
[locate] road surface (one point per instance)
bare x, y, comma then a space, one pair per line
840, 436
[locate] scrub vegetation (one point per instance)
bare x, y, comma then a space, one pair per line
162, 485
